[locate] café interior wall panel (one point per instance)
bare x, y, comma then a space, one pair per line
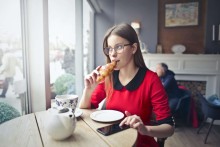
171, 62
201, 65
212, 43
193, 37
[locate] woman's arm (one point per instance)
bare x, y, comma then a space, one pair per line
90, 85
161, 131
93, 92
85, 101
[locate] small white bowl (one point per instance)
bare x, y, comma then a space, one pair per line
178, 48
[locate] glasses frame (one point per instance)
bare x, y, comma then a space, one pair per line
116, 50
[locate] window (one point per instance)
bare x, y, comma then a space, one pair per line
12, 83
62, 46
24, 30
88, 39
65, 51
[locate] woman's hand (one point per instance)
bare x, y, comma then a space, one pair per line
90, 84
90, 79
135, 122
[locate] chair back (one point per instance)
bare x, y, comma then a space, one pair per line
209, 109
185, 98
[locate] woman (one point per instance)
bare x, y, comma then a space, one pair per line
131, 88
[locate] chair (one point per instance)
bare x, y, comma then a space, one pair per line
210, 111
183, 105
160, 141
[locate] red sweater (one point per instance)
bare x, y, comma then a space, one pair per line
142, 95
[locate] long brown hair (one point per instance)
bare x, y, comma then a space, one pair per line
127, 32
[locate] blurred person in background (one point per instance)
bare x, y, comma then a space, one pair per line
169, 82
68, 62
8, 70
1, 55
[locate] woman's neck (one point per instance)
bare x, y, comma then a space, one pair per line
127, 74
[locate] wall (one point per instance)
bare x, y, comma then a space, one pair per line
103, 21
144, 11
191, 36
213, 18
117, 11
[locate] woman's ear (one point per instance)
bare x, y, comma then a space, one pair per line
134, 47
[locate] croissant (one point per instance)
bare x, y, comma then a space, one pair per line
105, 70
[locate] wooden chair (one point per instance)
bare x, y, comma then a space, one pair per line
210, 111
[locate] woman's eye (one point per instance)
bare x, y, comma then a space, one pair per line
118, 47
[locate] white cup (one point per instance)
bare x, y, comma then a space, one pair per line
67, 101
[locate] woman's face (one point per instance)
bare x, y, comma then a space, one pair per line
159, 70
123, 58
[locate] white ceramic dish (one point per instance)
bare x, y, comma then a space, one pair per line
78, 112
178, 49
106, 115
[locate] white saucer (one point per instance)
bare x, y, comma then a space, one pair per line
78, 112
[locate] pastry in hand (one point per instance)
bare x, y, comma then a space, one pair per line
105, 70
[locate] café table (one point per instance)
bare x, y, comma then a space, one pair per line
29, 130
20, 132
121, 139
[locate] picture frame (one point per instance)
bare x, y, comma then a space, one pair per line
182, 14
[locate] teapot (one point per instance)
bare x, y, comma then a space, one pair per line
60, 123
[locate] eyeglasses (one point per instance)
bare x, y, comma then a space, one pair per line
118, 48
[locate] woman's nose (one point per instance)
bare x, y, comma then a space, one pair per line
114, 53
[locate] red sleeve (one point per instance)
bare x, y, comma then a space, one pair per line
159, 99
98, 95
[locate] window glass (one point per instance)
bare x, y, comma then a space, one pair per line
62, 46
88, 25
12, 83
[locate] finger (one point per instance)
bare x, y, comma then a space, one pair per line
123, 122
87, 83
93, 77
128, 122
95, 72
127, 113
90, 80
133, 121
97, 68
137, 125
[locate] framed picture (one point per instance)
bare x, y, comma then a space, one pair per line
181, 14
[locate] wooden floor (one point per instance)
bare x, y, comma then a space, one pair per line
187, 137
